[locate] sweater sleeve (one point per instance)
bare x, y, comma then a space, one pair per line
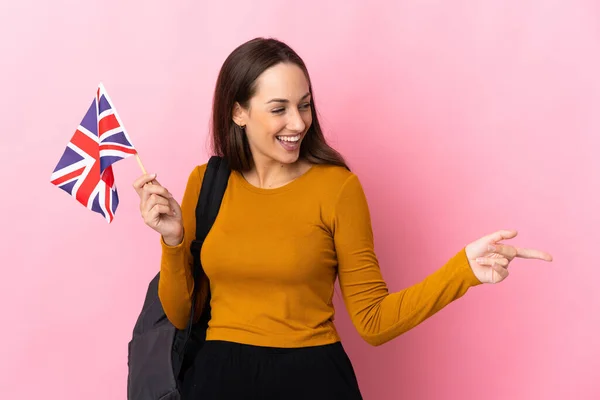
380, 316
176, 282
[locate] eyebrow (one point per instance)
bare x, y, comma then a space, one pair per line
285, 100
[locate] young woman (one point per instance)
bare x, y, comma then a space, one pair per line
293, 219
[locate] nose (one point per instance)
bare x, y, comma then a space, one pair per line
296, 123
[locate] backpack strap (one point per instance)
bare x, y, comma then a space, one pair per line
212, 190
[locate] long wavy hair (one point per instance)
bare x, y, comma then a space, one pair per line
237, 83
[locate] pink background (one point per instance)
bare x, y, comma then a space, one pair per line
460, 117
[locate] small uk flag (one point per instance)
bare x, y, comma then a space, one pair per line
85, 169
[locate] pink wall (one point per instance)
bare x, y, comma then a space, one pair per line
460, 117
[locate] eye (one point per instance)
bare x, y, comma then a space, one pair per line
278, 110
305, 106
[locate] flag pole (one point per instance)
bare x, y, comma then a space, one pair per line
139, 161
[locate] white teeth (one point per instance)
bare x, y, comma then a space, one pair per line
289, 138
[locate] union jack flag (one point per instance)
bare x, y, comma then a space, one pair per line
85, 168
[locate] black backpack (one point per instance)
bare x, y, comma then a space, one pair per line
159, 354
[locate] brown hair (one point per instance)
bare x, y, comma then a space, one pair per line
237, 83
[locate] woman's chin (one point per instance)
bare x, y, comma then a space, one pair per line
286, 156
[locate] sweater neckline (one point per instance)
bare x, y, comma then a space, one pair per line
288, 186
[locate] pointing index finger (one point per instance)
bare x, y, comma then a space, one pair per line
533, 254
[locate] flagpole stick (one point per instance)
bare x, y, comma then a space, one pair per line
139, 161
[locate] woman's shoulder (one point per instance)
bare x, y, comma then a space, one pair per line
333, 177
337, 188
195, 177
197, 172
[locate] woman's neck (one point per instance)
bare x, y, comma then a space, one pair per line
271, 175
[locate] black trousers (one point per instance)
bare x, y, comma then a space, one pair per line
225, 370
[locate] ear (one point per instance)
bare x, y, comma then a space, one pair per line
239, 115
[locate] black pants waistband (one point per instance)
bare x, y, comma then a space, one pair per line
227, 370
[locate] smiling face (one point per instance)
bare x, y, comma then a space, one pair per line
278, 115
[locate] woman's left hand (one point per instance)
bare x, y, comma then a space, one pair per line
490, 259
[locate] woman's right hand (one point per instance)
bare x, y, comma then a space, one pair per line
159, 209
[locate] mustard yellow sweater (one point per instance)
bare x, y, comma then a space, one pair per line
272, 258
